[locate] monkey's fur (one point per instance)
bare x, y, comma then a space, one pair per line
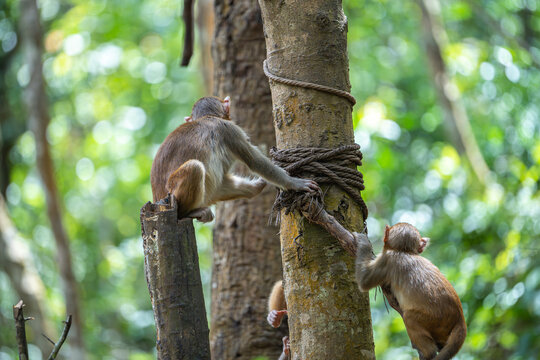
429, 305
277, 309
194, 161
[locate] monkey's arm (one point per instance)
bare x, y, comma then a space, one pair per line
369, 272
237, 141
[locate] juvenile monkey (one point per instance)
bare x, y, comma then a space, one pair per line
430, 307
277, 309
194, 161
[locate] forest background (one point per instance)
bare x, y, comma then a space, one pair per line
116, 90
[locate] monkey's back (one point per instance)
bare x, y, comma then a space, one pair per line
421, 282
197, 140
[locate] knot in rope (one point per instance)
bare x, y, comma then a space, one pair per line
325, 166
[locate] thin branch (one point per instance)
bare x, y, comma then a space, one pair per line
63, 337
20, 330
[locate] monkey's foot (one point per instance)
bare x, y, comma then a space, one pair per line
275, 316
286, 345
203, 215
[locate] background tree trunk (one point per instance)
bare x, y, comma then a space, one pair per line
38, 120
329, 318
455, 116
16, 262
246, 259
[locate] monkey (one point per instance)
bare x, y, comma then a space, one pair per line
194, 161
277, 310
425, 299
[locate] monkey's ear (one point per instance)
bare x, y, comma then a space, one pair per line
187, 119
227, 104
386, 233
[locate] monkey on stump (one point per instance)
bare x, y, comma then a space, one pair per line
194, 163
426, 300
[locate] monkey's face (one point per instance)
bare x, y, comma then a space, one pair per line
422, 244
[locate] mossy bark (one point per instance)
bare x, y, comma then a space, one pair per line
329, 318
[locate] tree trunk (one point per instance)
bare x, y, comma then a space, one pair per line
38, 119
171, 265
206, 26
329, 318
246, 249
455, 115
16, 262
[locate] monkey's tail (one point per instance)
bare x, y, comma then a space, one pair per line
454, 342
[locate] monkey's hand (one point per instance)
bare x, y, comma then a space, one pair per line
275, 316
365, 249
304, 185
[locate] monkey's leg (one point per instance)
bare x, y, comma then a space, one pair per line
235, 187
420, 337
187, 185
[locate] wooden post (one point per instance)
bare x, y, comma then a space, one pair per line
329, 318
172, 272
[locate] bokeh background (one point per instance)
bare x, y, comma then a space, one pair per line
116, 90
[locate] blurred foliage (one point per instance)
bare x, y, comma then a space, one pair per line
116, 91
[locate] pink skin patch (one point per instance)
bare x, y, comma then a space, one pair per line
423, 244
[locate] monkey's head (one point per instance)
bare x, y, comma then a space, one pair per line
210, 106
404, 237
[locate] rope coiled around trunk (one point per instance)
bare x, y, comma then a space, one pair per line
325, 166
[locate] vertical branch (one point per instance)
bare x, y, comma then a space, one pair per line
22, 345
206, 26
38, 119
188, 32
454, 112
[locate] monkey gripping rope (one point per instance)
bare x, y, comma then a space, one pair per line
325, 166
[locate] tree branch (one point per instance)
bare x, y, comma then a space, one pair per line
20, 330
60, 341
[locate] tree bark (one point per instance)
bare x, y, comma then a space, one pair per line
329, 318
455, 116
38, 119
16, 262
246, 257
171, 265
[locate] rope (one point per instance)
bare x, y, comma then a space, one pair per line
315, 163
308, 85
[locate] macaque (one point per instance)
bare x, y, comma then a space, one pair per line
194, 161
277, 309
430, 307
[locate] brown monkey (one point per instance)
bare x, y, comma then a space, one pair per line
277, 309
193, 163
429, 305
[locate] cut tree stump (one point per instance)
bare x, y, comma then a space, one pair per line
171, 266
